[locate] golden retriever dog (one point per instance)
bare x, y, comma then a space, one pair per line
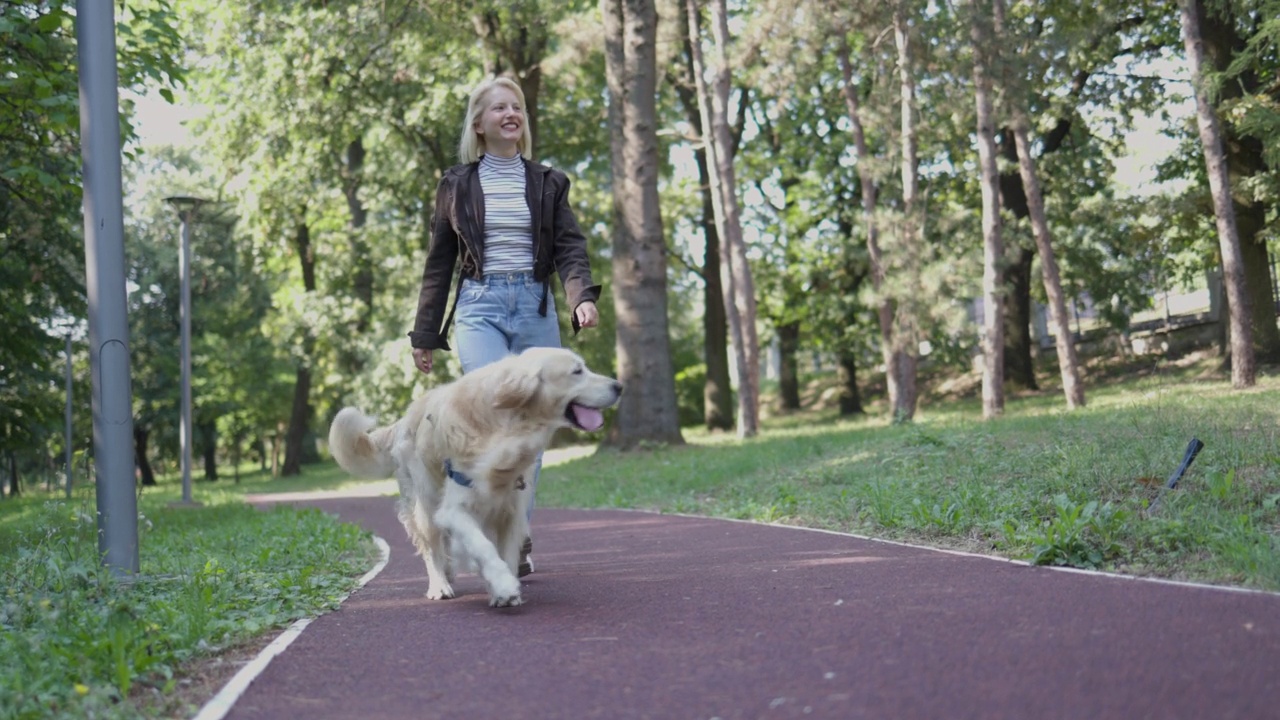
462, 454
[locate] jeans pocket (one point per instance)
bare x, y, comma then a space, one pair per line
471, 291
534, 290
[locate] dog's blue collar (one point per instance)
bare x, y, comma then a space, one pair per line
455, 475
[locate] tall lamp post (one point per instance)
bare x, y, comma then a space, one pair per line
187, 208
67, 430
105, 288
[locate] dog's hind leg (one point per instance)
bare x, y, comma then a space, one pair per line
435, 553
430, 543
509, 550
512, 535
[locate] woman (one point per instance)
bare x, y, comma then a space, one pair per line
508, 219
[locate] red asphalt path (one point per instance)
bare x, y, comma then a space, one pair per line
637, 615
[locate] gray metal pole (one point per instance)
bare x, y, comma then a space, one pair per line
67, 439
184, 269
105, 283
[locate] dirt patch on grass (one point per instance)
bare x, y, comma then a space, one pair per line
198, 681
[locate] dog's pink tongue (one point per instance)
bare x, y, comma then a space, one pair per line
587, 418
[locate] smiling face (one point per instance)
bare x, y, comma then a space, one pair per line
500, 123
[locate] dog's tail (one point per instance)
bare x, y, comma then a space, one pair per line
360, 446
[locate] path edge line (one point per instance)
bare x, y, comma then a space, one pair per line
965, 553
219, 705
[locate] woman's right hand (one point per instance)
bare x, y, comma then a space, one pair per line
422, 359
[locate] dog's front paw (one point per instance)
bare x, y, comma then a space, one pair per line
505, 592
443, 591
505, 600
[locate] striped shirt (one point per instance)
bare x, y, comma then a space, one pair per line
508, 235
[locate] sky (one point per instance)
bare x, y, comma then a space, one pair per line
160, 123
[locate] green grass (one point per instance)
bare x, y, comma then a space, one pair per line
76, 642
1039, 484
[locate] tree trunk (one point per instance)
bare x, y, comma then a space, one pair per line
277, 445
209, 449
717, 392
647, 411
237, 455
847, 377
1019, 363
1243, 370
886, 308
362, 279
1067, 362
260, 446
788, 376
1251, 223
300, 413
15, 484
993, 244
299, 416
739, 289
906, 332
140, 436
1019, 367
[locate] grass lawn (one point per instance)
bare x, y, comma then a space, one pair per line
1039, 483
77, 643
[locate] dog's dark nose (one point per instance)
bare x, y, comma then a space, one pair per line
617, 387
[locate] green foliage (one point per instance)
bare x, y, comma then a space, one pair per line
42, 277
1078, 535
80, 642
690, 398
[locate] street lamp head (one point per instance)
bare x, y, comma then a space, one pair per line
185, 203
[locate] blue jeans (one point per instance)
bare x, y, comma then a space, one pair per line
498, 316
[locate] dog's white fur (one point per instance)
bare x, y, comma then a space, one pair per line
490, 424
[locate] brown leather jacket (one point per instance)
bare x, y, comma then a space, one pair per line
457, 229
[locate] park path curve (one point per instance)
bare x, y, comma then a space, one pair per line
641, 615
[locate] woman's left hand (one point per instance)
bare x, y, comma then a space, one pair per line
587, 313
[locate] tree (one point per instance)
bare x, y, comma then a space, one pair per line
1069, 63
234, 369
895, 233
1068, 365
647, 411
739, 288
887, 306
319, 105
1243, 370
717, 393
517, 37
992, 241
906, 333
1238, 57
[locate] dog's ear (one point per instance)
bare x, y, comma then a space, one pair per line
516, 389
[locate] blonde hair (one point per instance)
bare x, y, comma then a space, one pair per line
471, 146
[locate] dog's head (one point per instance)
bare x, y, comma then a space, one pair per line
555, 386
